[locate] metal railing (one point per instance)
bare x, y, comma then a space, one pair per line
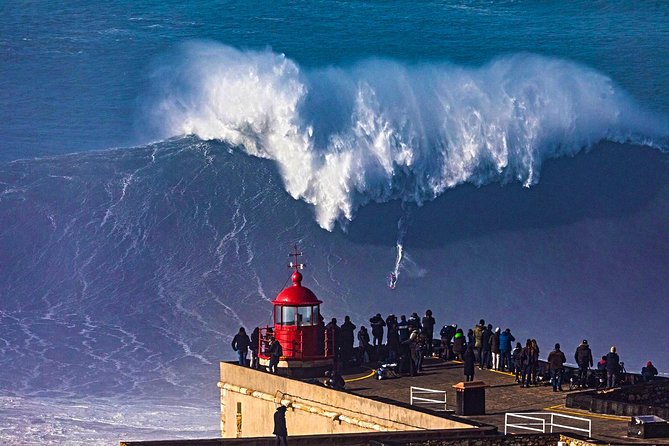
539, 421
293, 343
439, 402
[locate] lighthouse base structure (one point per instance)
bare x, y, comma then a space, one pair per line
301, 368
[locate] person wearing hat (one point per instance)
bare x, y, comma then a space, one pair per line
280, 430
649, 372
583, 357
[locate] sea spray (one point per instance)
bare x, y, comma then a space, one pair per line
382, 130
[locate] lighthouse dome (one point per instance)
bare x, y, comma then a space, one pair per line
296, 294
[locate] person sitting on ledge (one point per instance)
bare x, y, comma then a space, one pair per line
649, 372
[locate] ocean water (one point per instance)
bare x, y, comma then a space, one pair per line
507, 160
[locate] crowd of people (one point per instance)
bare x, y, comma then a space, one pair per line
409, 340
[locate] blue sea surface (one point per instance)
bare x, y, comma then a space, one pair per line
506, 160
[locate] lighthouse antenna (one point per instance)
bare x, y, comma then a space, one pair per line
296, 264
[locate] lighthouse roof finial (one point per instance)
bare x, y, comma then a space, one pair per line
297, 276
296, 294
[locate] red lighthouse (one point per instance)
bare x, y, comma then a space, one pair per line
308, 350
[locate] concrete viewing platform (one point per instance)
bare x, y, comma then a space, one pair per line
503, 395
379, 412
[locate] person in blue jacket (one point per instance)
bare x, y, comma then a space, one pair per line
505, 340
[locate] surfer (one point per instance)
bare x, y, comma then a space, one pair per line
392, 281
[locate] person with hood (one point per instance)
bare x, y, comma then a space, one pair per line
478, 339
428, 330
240, 344
556, 360
459, 344
486, 357
346, 339
505, 340
494, 348
612, 367
649, 372
280, 430
469, 358
583, 357
377, 324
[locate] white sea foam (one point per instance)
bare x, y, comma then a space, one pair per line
383, 130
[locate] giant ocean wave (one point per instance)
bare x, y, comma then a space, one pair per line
382, 130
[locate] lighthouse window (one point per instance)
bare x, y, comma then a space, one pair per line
314, 315
304, 315
288, 315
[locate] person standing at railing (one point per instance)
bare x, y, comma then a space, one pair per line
583, 357
494, 348
275, 351
505, 340
534, 361
526, 364
255, 345
347, 338
363, 345
240, 344
428, 330
486, 355
377, 324
556, 360
612, 367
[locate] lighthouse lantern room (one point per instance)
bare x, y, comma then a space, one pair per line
308, 349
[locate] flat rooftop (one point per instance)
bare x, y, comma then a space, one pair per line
503, 395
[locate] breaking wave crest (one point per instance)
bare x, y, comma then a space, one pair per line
383, 130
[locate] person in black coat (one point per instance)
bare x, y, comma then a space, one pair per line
347, 338
280, 430
612, 368
649, 372
469, 358
583, 357
255, 345
240, 344
556, 360
428, 330
275, 351
486, 356
377, 323
393, 338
